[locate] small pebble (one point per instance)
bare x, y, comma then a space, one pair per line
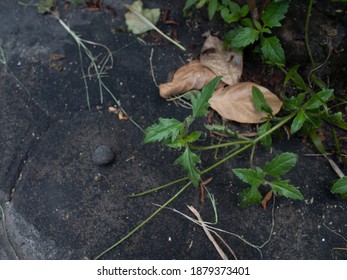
103, 155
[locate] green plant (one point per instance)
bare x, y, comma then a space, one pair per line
175, 134
252, 30
276, 168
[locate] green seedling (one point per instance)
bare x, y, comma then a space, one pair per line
175, 134
256, 32
276, 168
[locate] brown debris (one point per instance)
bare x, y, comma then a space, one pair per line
222, 62
236, 103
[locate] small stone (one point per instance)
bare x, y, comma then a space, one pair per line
103, 155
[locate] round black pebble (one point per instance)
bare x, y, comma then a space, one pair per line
103, 155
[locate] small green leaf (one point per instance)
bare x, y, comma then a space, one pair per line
221, 129
272, 51
340, 187
189, 3
244, 10
200, 102
259, 101
201, 3
188, 160
335, 119
319, 99
250, 196
281, 164
294, 102
274, 13
212, 8
267, 140
298, 122
243, 37
250, 176
165, 130
282, 187
257, 24
297, 79
316, 141
193, 137
230, 15
247, 22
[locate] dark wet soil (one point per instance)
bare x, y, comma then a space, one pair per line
58, 204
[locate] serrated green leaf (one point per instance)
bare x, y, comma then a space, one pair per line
250, 196
282, 187
165, 130
298, 122
267, 140
340, 187
274, 13
212, 8
188, 160
254, 177
272, 51
200, 102
243, 37
319, 99
259, 101
281, 164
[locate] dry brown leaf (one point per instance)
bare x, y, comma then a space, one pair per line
222, 62
266, 199
191, 76
236, 103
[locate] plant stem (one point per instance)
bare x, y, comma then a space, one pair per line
222, 145
306, 33
154, 27
277, 126
159, 188
143, 222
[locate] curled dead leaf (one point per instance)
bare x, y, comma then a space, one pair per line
236, 103
266, 199
222, 62
190, 76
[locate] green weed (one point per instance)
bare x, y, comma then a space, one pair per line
253, 30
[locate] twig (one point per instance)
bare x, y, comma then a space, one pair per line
333, 231
143, 222
210, 237
145, 20
152, 71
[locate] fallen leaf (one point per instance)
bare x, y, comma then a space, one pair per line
137, 18
222, 62
190, 76
236, 103
266, 199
